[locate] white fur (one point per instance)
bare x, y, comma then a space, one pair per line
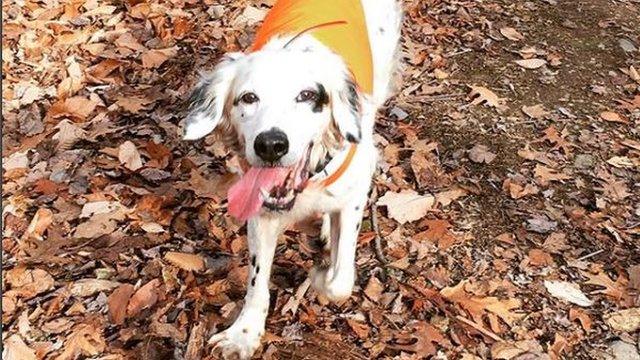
277, 75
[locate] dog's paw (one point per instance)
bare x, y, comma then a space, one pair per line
238, 342
334, 288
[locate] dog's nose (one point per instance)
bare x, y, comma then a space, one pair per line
271, 145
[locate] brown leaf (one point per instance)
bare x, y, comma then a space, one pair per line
133, 104
196, 341
129, 156
545, 175
144, 298
68, 134
438, 232
156, 57
482, 95
614, 289
85, 341
614, 117
531, 63
481, 154
511, 34
420, 338
407, 205
479, 307
535, 111
14, 348
117, 303
188, 262
374, 289
445, 198
28, 283
627, 320
88, 287
359, 328
77, 108
582, 316
40, 222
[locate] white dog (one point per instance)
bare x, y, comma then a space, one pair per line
300, 106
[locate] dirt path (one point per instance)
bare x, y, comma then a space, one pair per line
533, 168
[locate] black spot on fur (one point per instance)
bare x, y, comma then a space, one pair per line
253, 260
381, 30
358, 227
245, 330
257, 269
357, 207
322, 99
200, 101
253, 282
352, 139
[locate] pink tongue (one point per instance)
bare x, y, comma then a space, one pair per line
244, 196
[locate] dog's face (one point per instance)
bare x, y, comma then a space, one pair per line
278, 104
286, 108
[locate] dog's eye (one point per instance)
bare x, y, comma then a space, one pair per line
307, 95
249, 98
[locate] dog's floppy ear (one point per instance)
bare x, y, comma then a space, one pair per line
208, 99
347, 109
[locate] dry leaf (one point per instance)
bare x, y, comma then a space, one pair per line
374, 289
545, 175
188, 262
535, 111
117, 303
40, 222
481, 154
627, 320
28, 283
77, 108
445, 198
129, 156
582, 316
568, 292
419, 338
438, 232
89, 287
531, 63
482, 95
511, 34
144, 298
407, 205
611, 116
85, 341
479, 307
14, 348
156, 57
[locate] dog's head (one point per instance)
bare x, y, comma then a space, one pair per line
286, 106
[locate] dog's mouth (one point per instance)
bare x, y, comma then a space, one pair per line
274, 188
282, 197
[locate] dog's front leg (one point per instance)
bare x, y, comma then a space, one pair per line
336, 282
242, 339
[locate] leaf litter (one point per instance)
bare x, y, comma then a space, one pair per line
509, 198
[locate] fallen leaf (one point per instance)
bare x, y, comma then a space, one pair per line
621, 162
407, 205
156, 57
188, 262
438, 232
14, 348
85, 341
481, 154
69, 133
545, 175
40, 222
535, 111
117, 303
479, 307
361, 329
627, 320
582, 316
508, 350
531, 63
420, 338
27, 283
568, 292
615, 289
129, 156
89, 287
511, 34
445, 198
77, 108
614, 117
144, 298
482, 95
374, 289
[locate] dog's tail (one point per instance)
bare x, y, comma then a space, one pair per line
384, 19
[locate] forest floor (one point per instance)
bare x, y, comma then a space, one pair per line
509, 190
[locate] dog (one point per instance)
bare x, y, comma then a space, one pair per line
300, 108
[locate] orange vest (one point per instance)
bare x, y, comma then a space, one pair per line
338, 24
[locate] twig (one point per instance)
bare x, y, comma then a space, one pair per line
376, 229
480, 328
590, 255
